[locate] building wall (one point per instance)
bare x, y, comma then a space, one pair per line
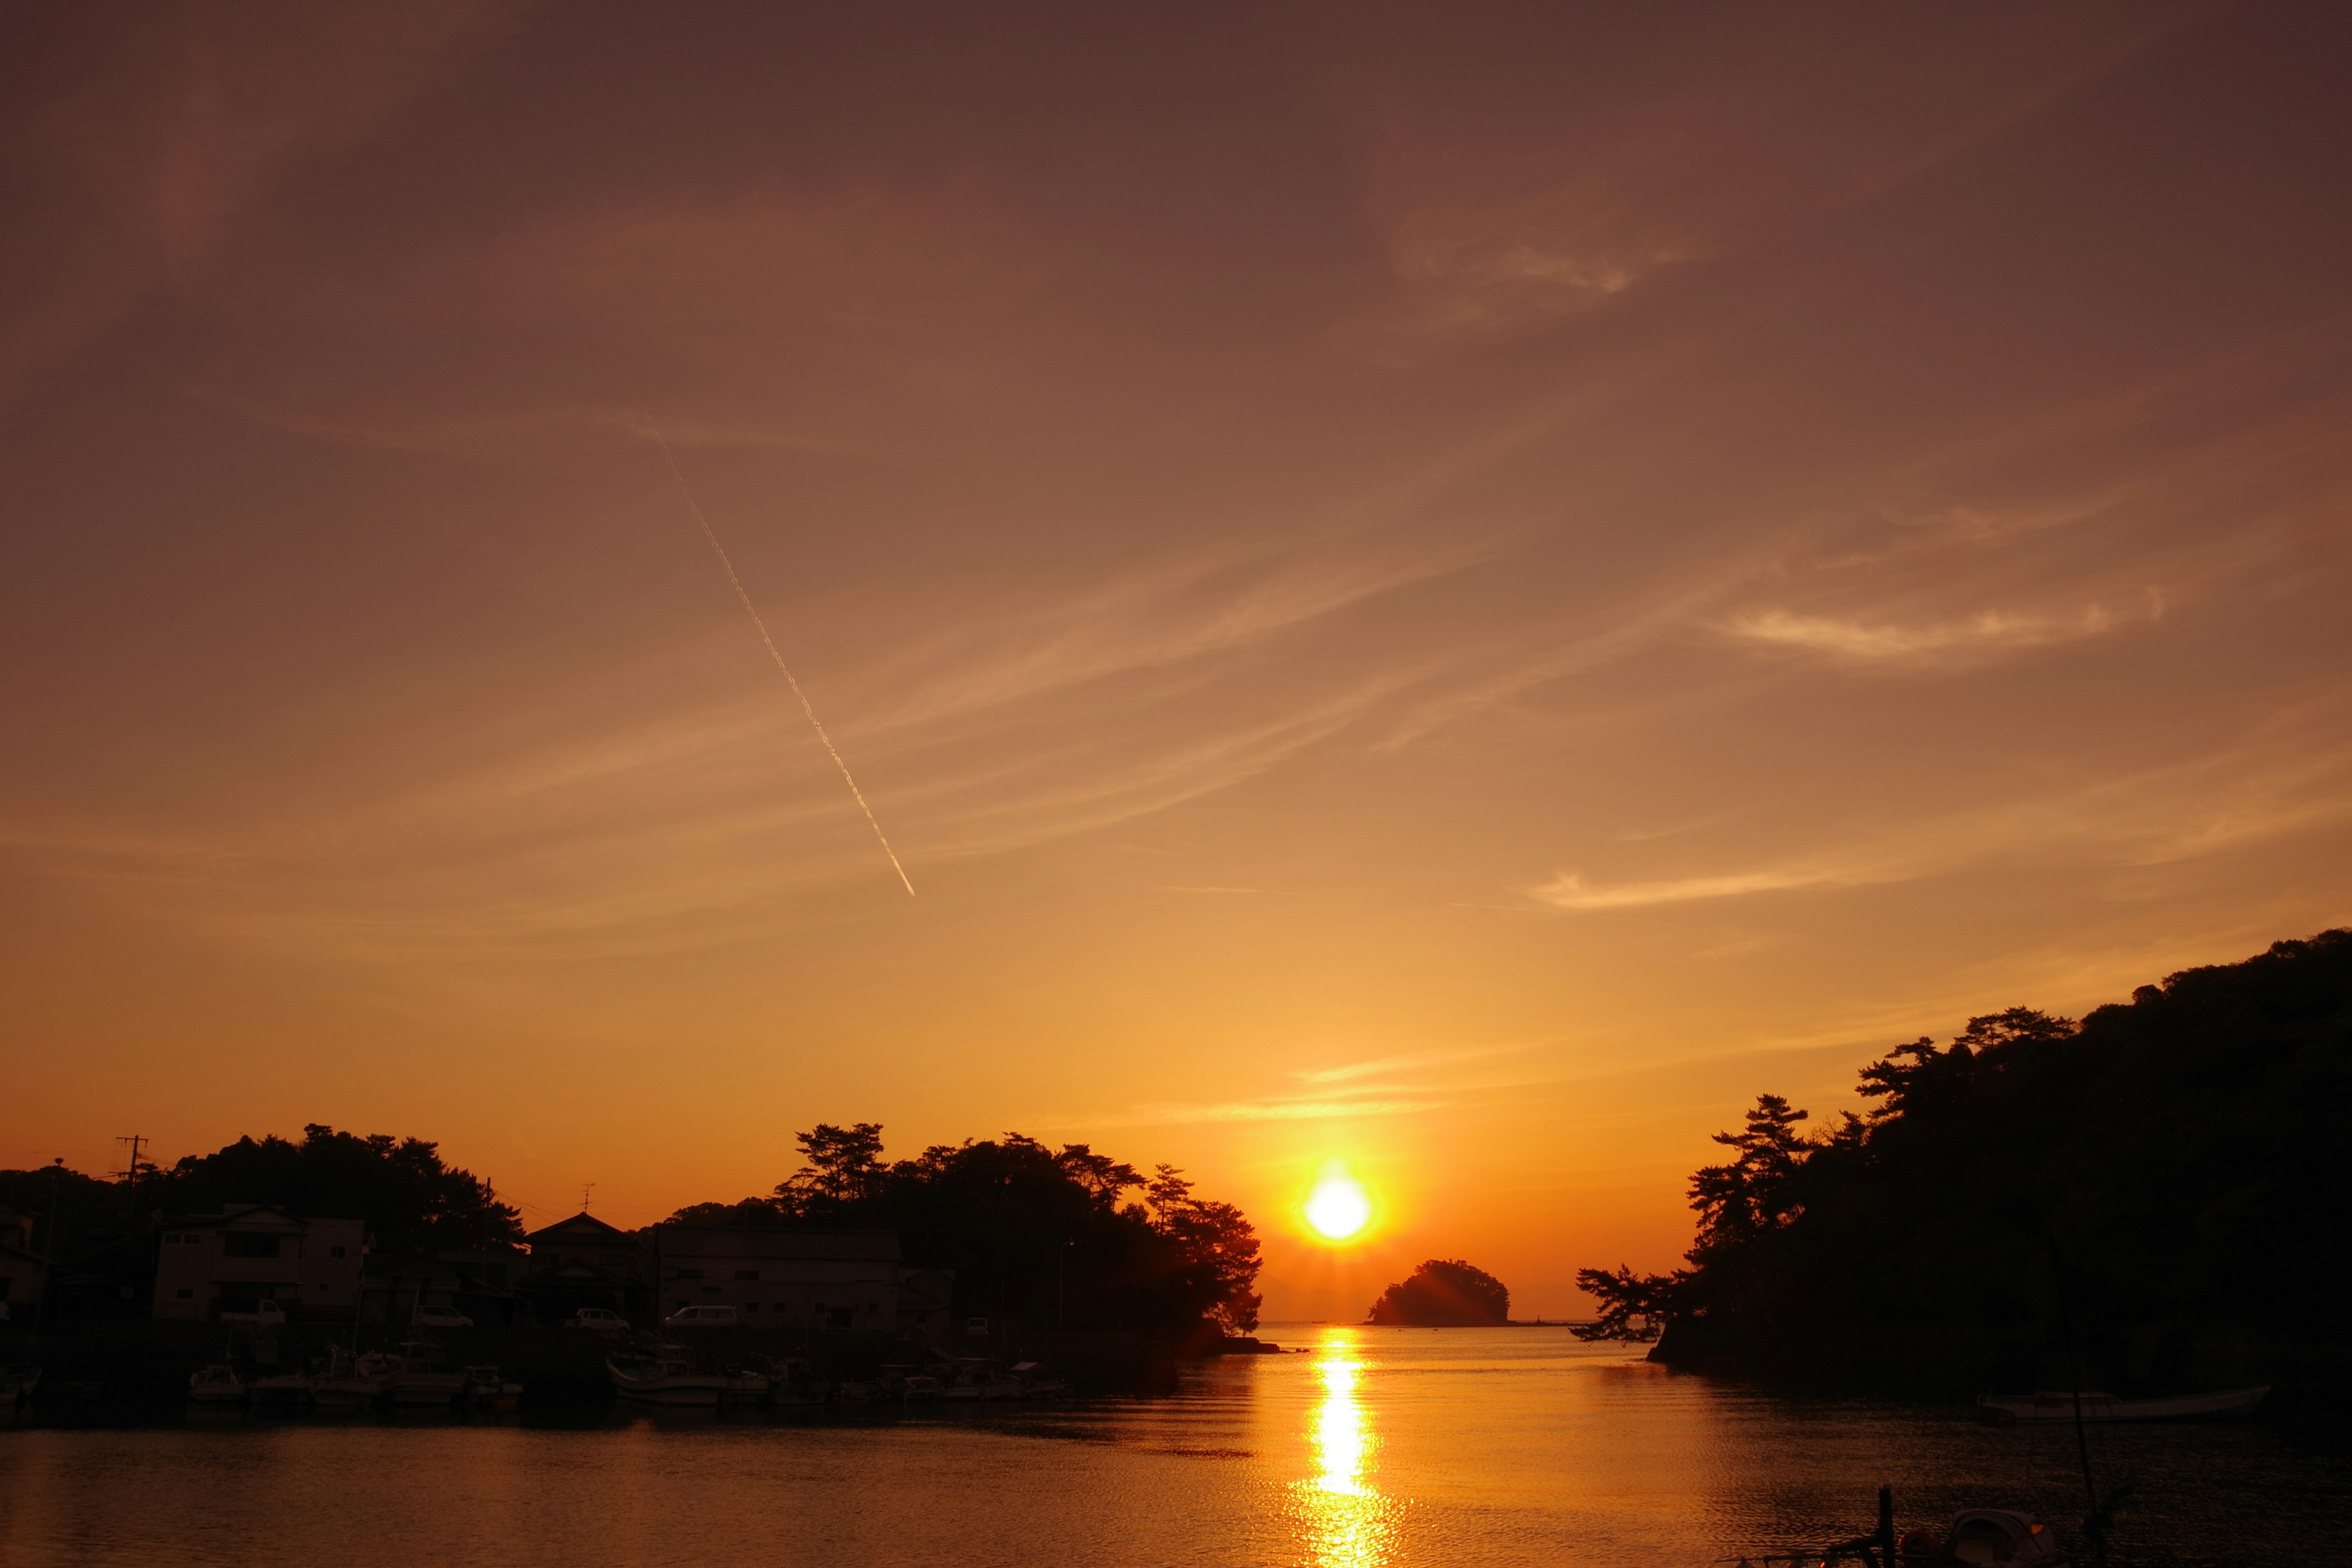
333, 1253
201, 1260
787, 1280
787, 1292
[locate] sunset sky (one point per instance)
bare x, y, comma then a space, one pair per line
1458, 589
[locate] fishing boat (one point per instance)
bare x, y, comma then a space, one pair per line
2060, 1405
419, 1378
217, 1385
487, 1388
664, 1378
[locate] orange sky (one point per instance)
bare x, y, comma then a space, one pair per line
1458, 587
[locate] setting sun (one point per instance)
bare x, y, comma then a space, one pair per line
1339, 1208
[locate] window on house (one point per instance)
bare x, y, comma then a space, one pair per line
751, 1306
335, 1252
685, 1274
747, 1274
187, 1295
244, 1244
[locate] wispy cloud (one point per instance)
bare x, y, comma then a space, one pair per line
1378, 1067
1274, 1110
1989, 631
2262, 787
1570, 891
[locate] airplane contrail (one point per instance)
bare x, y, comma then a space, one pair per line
719, 550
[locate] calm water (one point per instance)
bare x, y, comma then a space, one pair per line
1384, 1446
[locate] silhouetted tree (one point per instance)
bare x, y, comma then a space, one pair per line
1032, 1232
410, 1198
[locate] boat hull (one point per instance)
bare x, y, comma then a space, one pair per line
2104, 1409
425, 1388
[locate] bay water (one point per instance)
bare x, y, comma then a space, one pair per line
1374, 1448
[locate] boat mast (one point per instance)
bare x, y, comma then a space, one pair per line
2094, 1523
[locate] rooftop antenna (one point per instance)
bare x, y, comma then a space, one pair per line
585, 1188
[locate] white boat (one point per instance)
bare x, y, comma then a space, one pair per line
2059, 1404
487, 1388
673, 1380
420, 1379
216, 1384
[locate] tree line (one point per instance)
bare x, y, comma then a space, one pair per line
2159, 1185
1052, 1236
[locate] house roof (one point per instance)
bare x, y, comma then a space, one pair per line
583, 1226
247, 1217
698, 1241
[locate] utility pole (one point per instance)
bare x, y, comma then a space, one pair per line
137, 1142
49, 1239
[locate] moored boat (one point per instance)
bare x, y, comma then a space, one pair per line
420, 1378
487, 1388
283, 1393
217, 1385
1037, 1381
2061, 1406
673, 1380
349, 1383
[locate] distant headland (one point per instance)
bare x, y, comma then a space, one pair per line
1444, 1293
2161, 1186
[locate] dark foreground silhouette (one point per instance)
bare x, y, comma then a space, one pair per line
2171, 1168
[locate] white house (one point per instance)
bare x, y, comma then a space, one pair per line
208, 1263
793, 1279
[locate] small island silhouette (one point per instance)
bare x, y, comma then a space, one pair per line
1444, 1293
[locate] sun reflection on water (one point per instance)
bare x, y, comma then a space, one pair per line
1348, 1523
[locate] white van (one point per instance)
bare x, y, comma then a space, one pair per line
603, 1319
701, 1318
264, 1313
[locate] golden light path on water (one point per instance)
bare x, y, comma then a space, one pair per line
1348, 1523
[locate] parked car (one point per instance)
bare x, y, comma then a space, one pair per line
264, 1313
603, 1319
701, 1318
442, 1318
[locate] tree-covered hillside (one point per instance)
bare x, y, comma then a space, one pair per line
2182, 1155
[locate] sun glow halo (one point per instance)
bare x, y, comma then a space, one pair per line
1339, 1208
